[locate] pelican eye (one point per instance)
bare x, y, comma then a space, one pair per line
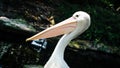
77, 15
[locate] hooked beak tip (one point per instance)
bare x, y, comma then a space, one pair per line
27, 40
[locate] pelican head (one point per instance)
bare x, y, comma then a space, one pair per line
75, 25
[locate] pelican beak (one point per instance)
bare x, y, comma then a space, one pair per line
63, 27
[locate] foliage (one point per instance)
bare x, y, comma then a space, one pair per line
104, 20
105, 25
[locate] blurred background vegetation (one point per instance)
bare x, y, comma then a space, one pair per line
105, 19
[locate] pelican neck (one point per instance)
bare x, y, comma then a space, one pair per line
60, 47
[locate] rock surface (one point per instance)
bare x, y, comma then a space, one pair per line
8, 25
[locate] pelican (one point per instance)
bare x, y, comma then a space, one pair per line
71, 28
